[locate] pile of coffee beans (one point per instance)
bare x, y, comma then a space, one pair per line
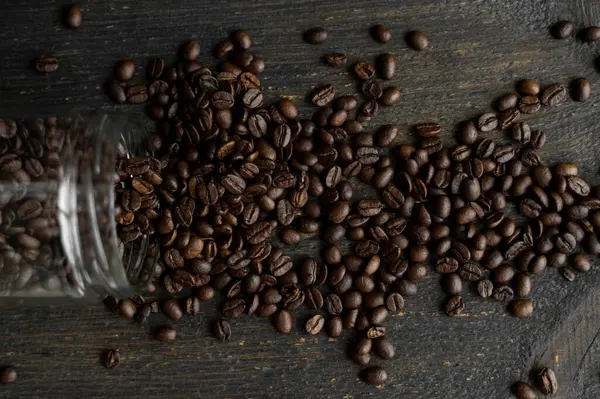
230, 181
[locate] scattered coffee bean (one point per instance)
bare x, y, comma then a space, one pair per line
46, 64
417, 40
562, 29
316, 35
523, 390
222, 330
580, 89
374, 376
112, 358
74, 16
546, 381
166, 334
591, 34
9, 375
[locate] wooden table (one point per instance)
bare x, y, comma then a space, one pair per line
478, 50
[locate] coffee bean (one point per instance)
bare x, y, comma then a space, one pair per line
565, 243
323, 95
112, 358
580, 89
125, 70
190, 50
546, 381
315, 324
554, 94
316, 35
507, 102
166, 334
241, 39
417, 40
562, 29
46, 64
336, 60
529, 104
522, 285
452, 284
381, 33
384, 348
485, 288
8, 376
581, 263
529, 87
521, 308
374, 376
222, 330
390, 96
395, 303
502, 293
487, 122
387, 65
523, 390
283, 321
454, 305
591, 34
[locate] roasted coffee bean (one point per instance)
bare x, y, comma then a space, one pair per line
529, 87
507, 102
381, 33
166, 334
46, 64
485, 288
283, 321
125, 70
452, 284
336, 60
387, 65
487, 122
454, 305
390, 96
529, 104
222, 330
580, 89
562, 29
316, 35
591, 34
374, 376
502, 293
417, 40
554, 94
521, 308
581, 263
522, 285
315, 324
546, 381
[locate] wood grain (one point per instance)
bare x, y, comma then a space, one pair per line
478, 50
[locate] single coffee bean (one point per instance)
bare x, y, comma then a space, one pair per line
8, 376
381, 33
323, 95
417, 40
452, 284
166, 334
125, 70
46, 64
454, 305
283, 321
554, 94
529, 87
562, 29
485, 288
374, 376
241, 39
591, 34
336, 60
112, 359
546, 381
315, 324
581, 263
467, 133
316, 35
523, 390
384, 348
507, 102
521, 308
74, 16
190, 50
580, 89
522, 285
390, 96
487, 122
222, 330
387, 65
529, 104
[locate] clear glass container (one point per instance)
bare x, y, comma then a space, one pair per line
58, 236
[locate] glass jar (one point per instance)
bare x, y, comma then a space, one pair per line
58, 236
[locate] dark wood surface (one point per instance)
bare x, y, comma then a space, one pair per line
478, 49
